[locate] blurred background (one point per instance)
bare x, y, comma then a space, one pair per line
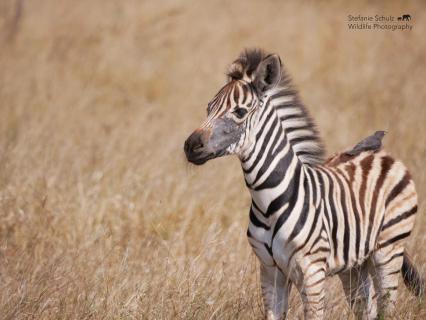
100, 215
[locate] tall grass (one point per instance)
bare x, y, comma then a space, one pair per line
101, 216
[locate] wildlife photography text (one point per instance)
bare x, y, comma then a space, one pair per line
380, 22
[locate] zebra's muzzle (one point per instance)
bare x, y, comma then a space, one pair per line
208, 143
195, 149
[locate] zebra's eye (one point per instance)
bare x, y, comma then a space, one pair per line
240, 112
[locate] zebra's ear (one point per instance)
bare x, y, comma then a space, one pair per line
268, 73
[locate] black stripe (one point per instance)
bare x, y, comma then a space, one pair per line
356, 214
264, 142
292, 129
277, 176
290, 92
333, 213
390, 288
394, 272
254, 204
311, 231
245, 93
311, 152
319, 249
313, 185
304, 213
303, 138
282, 94
270, 156
287, 104
256, 221
292, 116
290, 196
394, 239
265, 121
346, 230
269, 248
313, 262
249, 233
396, 255
401, 217
320, 183
315, 283
398, 188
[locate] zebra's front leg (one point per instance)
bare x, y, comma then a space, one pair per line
275, 290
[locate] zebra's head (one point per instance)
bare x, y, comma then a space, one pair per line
232, 113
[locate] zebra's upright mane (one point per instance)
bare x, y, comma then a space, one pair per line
300, 128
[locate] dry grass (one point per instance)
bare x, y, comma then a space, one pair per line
101, 217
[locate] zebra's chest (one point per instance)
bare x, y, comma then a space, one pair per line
272, 247
260, 240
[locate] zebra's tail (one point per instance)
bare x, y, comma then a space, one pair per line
412, 278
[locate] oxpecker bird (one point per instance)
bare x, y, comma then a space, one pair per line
371, 143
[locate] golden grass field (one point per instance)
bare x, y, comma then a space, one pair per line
101, 215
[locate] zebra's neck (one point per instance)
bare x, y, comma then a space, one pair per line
272, 170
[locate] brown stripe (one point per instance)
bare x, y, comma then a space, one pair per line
337, 159
228, 97
365, 169
236, 94
350, 169
315, 283
386, 164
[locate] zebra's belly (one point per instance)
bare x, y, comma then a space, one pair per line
338, 262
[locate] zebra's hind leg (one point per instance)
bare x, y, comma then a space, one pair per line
312, 291
385, 270
275, 290
359, 291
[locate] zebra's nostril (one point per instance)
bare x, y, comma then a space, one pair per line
197, 146
193, 144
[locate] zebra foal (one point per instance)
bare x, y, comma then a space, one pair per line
309, 218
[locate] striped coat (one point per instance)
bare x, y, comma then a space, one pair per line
309, 218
